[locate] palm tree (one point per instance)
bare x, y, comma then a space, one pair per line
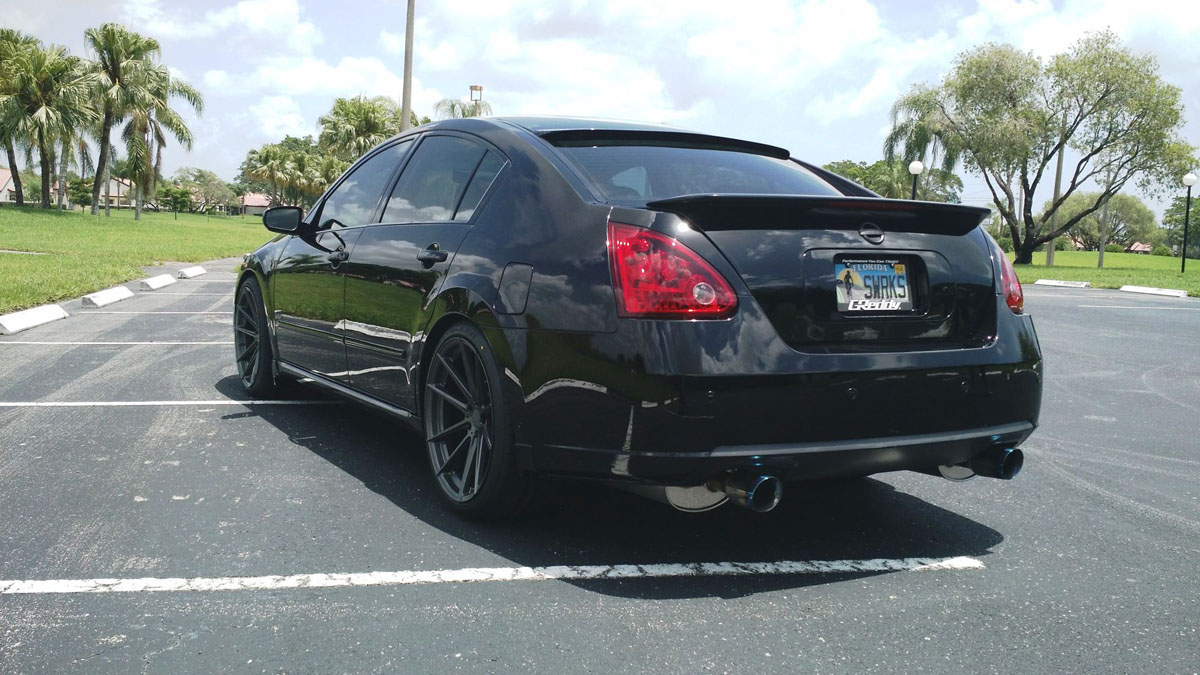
355, 125
920, 130
13, 43
50, 101
456, 108
123, 59
149, 121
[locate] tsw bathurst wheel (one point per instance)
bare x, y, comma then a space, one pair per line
251, 341
467, 430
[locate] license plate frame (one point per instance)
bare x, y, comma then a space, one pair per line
873, 285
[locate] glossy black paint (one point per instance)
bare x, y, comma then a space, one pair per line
786, 385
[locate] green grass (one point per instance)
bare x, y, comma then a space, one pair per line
86, 254
1119, 269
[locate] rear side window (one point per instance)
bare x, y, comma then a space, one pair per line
434, 181
355, 199
643, 173
488, 169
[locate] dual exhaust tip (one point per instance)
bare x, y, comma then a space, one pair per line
1000, 462
757, 493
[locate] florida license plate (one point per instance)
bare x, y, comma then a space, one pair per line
872, 285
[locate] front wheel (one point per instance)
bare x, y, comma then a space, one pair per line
252, 341
467, 428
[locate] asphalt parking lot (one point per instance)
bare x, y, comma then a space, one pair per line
137, 495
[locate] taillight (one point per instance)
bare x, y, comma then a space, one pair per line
1014, 297
657, 276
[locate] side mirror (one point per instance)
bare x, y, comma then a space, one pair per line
283, 219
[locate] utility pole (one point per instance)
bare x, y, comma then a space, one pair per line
406, 97
1057, 191
1104, 220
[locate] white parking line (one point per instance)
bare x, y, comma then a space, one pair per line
1177, 309
114, 312
33, 342
476, 574
134, 404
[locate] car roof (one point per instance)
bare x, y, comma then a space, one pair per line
546, 124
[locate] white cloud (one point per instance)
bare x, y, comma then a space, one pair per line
216, 79
276, 18
279, 116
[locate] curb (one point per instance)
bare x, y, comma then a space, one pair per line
1063, 284
1150, 290
155, 283
190, 272
107, 297
16, 322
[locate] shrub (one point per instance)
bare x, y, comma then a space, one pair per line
1114, 248
1005, 245
1162, 249
1060, 244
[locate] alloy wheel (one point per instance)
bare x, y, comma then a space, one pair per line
246, 336
459, 425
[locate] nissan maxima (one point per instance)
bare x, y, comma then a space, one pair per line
697, 318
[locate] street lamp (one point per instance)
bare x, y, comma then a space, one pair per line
915, 167
476, 93
1189, 180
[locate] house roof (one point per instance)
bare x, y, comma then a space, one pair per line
1138, 247
255, 199
5, 177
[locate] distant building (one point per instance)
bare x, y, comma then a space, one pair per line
255, 203
1138, 247
8, 191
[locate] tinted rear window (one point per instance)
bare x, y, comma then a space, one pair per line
643, 173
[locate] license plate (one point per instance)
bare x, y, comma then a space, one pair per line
872, 285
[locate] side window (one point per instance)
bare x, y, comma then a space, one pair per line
434, 181
355, 199
488, 169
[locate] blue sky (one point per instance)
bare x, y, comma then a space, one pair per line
814, 76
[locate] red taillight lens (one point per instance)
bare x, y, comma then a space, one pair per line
1014, 297
656, 276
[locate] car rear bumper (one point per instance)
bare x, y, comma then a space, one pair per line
787, 461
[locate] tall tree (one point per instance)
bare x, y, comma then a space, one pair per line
456, 108
891, 179
1129, 221
1004, 110
123, 59
355, 125
149, 121
50, 101
13, 44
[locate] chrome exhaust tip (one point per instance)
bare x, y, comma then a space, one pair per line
1002, 463
757, 493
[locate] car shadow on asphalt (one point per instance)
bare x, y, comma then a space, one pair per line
585, 523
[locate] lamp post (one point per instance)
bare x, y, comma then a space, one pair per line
915, 167
476, 98
1189, 180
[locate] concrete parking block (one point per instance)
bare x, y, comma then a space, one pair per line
1150, 290
190, 272
16, 322
1063, 284
155, 283
107, 296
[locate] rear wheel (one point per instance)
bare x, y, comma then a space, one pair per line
252, 342
467, 428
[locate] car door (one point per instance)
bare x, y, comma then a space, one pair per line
309, 280
397, 265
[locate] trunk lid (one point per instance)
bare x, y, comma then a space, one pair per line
855, 274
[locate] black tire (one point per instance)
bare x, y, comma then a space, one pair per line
252, 341
468, 429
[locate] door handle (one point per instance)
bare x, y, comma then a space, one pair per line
432, 255
338, 257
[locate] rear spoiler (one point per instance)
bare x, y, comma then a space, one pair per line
792, 212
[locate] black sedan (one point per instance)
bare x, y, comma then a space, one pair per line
695, 317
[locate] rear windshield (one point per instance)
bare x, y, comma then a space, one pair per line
644, 173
